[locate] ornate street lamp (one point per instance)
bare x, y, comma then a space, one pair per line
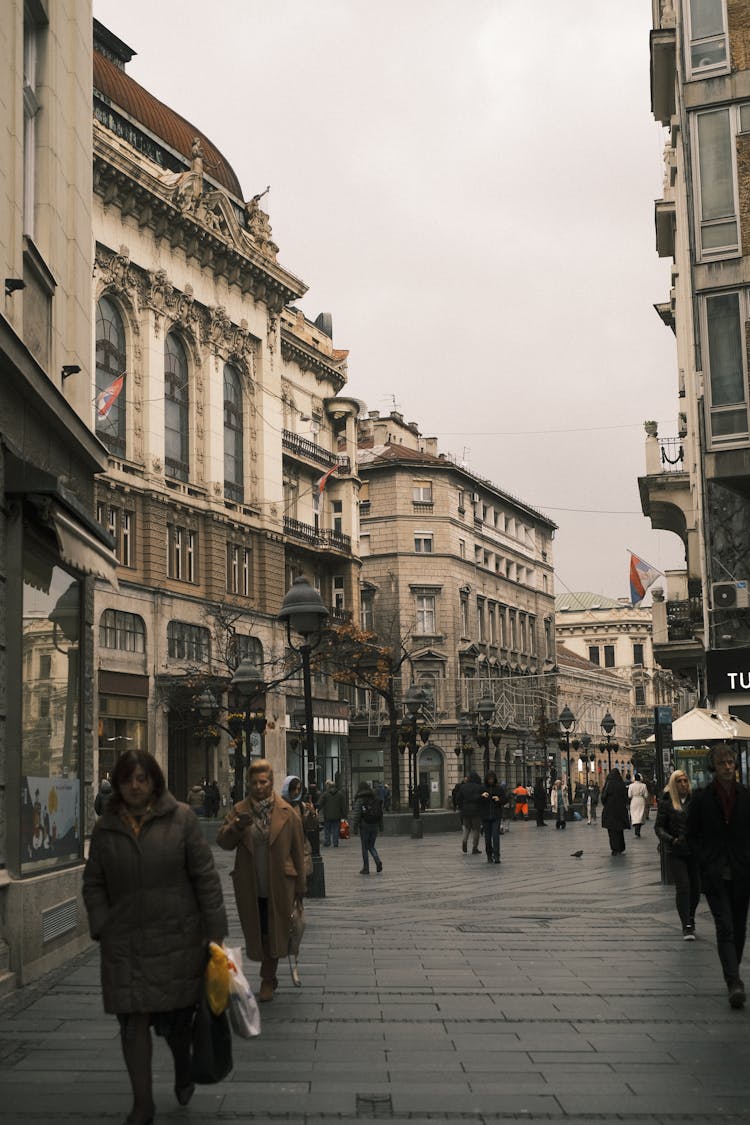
414, 699
249, 685
608, 726
303, 613
567, 721
208, 708
464, 734
484, 716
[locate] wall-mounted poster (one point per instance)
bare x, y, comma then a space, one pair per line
50, 822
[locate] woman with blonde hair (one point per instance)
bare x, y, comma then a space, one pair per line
671, 828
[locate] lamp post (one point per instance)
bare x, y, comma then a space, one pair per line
464, 733
414, 700
249, 684
303, 613
567, 722
523, 735
208, 709
586, 746
484, 716
608, 726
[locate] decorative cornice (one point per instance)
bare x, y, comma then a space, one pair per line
207, 232
308, 359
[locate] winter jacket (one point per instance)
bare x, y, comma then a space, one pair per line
469, 794
286, 863
540, 796
559, 797
332, 804
615, 804
671, 826
153, 901
364, 793
720, 845
490, 809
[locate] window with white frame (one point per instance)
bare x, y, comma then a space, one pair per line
239, 569
464, 604
423, 542
123, 631
422, 492
339, 600
426, 616
367, 611
724, 358
181, 553
706, 24
120, 523
480, 620
188, 642
337, 508
715, 134
462, 548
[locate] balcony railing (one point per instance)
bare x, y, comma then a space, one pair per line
316, 537
302, 447
664, 455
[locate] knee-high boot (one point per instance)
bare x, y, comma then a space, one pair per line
180, 1043
136, 1050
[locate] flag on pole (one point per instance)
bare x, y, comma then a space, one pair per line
108, 397
642, 575
323, 481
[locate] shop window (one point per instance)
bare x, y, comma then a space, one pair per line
123, 631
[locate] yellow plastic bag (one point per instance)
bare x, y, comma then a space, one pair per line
217, 979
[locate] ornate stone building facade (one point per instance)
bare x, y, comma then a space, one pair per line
697, 481
219, 404
461, 573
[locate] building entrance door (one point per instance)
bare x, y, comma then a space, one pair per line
432, 774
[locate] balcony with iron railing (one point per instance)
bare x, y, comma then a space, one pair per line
308, 450
665, 492
325, 539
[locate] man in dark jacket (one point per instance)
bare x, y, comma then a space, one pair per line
467, 801
718, 833
333, 809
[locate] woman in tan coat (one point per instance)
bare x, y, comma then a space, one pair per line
154, 899
269, 870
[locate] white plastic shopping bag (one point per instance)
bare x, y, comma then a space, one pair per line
244, 1014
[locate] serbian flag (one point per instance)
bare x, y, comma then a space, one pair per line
108, 397
323, 481
642, 575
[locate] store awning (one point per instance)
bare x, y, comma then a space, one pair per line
701, 725
81, 549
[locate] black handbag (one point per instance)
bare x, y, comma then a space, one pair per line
212, 1045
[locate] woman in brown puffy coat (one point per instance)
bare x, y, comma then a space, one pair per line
269, 870
154, 899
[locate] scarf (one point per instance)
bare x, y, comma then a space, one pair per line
261, 813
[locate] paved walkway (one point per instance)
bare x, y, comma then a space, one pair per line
446, 989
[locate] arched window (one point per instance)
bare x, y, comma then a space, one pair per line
233, 461
110, 365
123, 631
246, 648
176, 410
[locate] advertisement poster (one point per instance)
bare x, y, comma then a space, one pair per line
50, 821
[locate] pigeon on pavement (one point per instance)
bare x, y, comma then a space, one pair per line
577, 855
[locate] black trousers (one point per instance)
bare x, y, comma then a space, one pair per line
616, 839
728, 901
687, 886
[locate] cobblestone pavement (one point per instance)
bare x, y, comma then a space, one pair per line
547, 988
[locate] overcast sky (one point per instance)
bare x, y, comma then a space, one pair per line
467, 186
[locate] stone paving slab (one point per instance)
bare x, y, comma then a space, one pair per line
446, 990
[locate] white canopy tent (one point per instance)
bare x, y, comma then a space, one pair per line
701, 725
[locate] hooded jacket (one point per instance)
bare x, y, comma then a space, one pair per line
153, 900
468, 796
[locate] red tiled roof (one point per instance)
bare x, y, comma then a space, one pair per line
126, 94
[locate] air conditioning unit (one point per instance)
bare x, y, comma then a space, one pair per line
731, 595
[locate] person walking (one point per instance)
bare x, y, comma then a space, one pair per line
540, 801
718, 833
467, 800
594, 801
521, 795
367, 818
269, 870
102, 798
291, 792
196, 799
671, 829
153, 898
638, 797
559, 799
492, 798
333, 809
615, 811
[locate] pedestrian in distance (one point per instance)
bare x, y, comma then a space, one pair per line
102, 798
521, 797
671, 830
492, 799
367, 819
333, 809
539, 799
269, 870
291, 792
196, 798
467, 800
718, 833
154, 900
594, 801
559, 799
615, 811
638, 797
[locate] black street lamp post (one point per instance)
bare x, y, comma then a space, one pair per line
608, 726
303, 613
567, 722
464, 733
249, 685
208, 709
523, 736
484, 716
414, 699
